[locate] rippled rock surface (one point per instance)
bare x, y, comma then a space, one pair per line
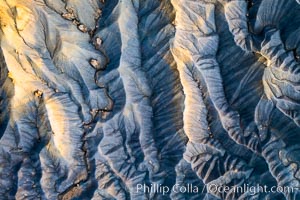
149, 99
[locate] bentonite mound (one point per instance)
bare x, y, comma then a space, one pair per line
149, 99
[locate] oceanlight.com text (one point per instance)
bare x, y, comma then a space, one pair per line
213, 189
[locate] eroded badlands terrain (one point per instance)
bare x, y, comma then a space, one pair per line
100, 97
